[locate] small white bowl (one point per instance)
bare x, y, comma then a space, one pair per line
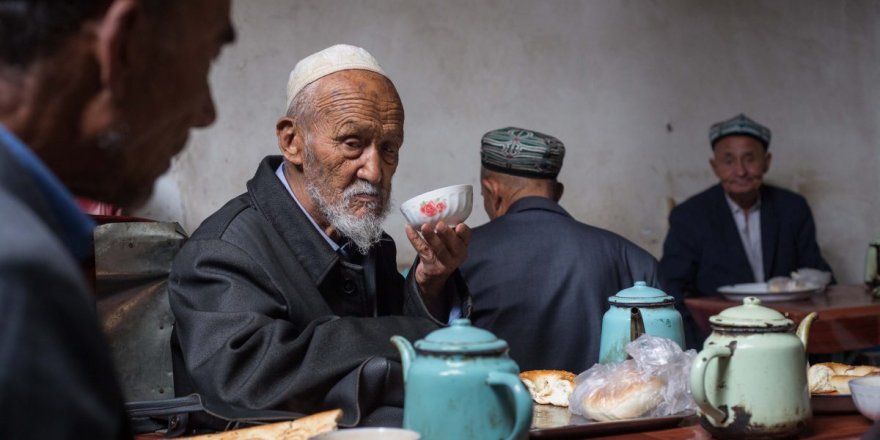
451, 204
369, 434
866, 396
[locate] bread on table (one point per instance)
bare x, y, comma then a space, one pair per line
833, 377
627, 397
552, 387
299, 429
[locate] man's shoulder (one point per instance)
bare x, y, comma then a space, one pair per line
238, 211
30, 247
782, 196
701, 200
24, 234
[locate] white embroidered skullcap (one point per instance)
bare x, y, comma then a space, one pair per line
330, 60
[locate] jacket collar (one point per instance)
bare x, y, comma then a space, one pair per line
769, 229
274, 202
536, 203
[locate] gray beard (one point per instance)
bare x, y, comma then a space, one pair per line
363, 232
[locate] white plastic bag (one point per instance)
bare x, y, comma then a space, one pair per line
653, 383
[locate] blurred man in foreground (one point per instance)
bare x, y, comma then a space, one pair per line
96, 96
740, 230
287, 296
539, 278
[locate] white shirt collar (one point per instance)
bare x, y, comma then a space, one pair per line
736, 209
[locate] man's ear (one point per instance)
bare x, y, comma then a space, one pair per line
557, 194
714, 168
769, 157
290, 142
114, 40
494, 194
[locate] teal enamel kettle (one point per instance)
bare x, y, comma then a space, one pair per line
460, 384
634, 311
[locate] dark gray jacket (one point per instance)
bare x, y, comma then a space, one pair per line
56, 376
269, 316
540, 280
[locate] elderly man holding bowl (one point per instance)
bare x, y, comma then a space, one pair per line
287, 296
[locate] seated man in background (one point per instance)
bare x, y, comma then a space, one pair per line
737, 231
96, 96
287, 296
539, 278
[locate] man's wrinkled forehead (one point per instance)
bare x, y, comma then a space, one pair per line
357, 92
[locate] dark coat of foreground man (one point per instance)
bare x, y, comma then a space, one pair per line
270, 317
56, 377
96, 97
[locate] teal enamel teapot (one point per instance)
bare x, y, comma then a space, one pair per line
460, 384
634, 311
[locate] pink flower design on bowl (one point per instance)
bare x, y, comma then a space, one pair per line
432, 208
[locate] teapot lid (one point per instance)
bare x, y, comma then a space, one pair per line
461, 337
751, 314
641, 293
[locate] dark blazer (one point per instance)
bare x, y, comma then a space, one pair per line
703, 249
270, 317
56, 377
540, 280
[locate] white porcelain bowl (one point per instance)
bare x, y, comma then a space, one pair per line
369, 434
866, 396
451, 204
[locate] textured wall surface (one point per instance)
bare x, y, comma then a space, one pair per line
630, 86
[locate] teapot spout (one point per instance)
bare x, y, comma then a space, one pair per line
803, 330
407, 353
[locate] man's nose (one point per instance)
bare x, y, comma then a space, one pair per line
739, 168
371, 168
207, 114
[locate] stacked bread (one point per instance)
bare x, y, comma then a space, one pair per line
552, 387
833, 377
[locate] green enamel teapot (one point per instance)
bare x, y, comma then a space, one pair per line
750, 380
460, 384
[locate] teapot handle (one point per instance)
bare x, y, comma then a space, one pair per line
521, 398
698, 379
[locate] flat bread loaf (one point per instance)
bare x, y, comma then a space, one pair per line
628, 397
833, 377
299, 429
552, 387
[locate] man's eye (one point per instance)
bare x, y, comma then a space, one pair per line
352, 143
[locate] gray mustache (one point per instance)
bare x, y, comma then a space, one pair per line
363, 188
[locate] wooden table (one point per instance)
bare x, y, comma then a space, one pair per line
849, 426
849, 317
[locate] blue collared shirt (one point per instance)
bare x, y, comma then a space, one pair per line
76, 227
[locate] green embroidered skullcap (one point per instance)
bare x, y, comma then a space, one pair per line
739, 125
522, 152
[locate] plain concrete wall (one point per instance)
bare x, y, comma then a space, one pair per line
630, 87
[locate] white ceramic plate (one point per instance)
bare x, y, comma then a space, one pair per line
737, 292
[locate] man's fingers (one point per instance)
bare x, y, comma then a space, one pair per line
464, 232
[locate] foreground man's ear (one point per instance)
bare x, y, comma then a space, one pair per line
114, 41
